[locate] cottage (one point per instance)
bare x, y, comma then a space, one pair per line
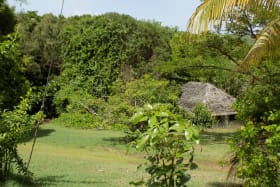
218, 102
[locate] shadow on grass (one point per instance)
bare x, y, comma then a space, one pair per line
223, 184
59, 181
207, 137
116, 140
24, 181
215, 137
40, 133
18, 180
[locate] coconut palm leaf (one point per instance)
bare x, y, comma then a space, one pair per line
213, 12
266, 44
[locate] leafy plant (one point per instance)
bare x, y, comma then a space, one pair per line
202, 116
168, 140
151, 90
257, 153
13, 84
15, 126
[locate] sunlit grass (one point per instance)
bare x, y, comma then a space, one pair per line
73, 157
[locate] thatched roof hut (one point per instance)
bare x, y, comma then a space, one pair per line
219, 102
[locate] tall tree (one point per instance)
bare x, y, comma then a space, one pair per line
208, 59
255, 149
13, 84
39, 42
7, 19
213, 13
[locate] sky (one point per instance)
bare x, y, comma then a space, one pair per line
173, 13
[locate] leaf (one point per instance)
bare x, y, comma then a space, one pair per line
161, 114
155, 132
178, 128
153, 121
185, 178
141, 143
137, 183
267, 42
211, 13
187, 135
191, 134
2, 136
180, 161
165, 127
193, 166
139, 117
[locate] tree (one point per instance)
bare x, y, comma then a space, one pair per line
40, 46
7, 19
256, 147
98, 52
15, 127
214, 13
13, 84
39, 42
206, 59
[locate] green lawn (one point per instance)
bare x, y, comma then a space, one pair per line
71, 157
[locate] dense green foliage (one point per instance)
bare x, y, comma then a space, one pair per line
213, 58
168, 140
201, 116
98, 50
256, 147
117, 108
103, 68
8, 19
15, 127
13, 83
256, 150
105, 58
39, 43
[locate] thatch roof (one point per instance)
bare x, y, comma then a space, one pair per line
218, 102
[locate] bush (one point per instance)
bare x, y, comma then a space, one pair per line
257, 156
167, 141
78, 120
256, 153
111, 111
15, 126
202, 116
151, 90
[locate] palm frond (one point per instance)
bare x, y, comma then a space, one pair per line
212, 12
267, 42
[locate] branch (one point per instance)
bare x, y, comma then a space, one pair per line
223, 52
216, 67
227, 69
227, 55
88, 109
253, 35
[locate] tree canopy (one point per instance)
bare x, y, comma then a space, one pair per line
212, 13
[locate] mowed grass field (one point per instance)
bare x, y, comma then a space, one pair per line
97, 158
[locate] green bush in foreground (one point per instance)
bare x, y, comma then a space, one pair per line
168, 140
256, 148
15, 126
257, 153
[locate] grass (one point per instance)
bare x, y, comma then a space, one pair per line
72, 157
212, 158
